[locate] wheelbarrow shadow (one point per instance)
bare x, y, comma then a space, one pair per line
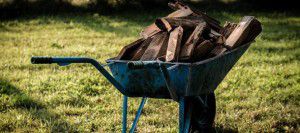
20, 100
220, 129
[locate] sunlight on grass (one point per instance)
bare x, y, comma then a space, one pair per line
260, 94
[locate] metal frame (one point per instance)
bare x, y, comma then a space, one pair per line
184, 108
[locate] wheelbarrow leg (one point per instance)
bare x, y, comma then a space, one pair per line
138, 114
125, 106
185, 111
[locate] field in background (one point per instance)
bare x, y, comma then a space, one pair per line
261, 93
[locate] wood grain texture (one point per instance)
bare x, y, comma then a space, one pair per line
202, 50
163, 24
157, 47
188, 47
247, 29
183, 12
217, 50
141, 50
150, 31
227, 29
174, 44
128, 51
216, 37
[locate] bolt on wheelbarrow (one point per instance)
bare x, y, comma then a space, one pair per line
182, 82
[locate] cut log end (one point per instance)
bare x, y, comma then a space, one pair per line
245, 31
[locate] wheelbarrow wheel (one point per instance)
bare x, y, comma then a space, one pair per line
203, 114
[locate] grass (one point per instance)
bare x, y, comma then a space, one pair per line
260, 94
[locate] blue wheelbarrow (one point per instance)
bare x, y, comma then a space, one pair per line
186, 83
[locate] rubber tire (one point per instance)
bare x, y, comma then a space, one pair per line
203, 117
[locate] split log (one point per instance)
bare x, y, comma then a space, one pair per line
179, 5
188, 47
214, 24
163, 24
183, 12
244, 32
128, 51
150, 31
202, 50
193, 36
153, 29
141, 50
219, 41
227, 29
256, 30
217, 51
216, 37
157, 47
184, 22
174, 43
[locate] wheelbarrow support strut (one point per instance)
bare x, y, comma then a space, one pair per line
184, 109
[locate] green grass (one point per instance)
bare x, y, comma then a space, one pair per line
260, 94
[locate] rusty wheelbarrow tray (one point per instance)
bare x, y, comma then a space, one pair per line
156, 79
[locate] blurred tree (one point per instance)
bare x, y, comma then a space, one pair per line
18, 7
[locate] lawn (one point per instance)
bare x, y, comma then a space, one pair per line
260, 94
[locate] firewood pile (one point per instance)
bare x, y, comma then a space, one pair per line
188, 35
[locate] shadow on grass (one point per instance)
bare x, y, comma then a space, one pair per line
221, 129
19, 100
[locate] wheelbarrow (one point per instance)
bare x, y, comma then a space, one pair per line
182, 82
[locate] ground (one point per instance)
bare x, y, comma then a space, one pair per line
260, 94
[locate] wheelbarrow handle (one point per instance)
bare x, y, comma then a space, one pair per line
63, 61
41, 60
